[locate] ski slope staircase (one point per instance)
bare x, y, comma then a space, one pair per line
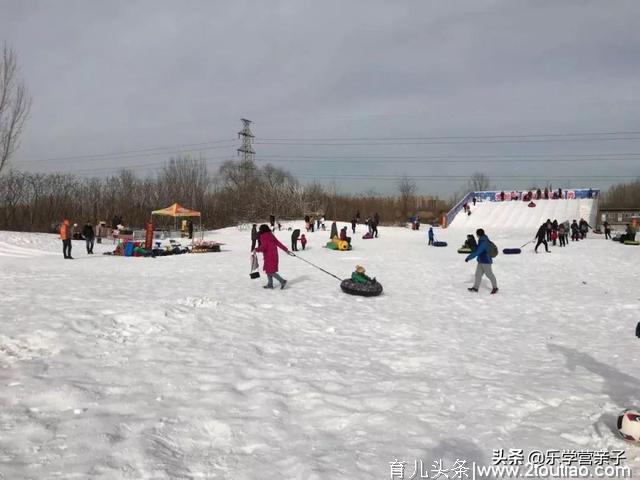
517, 215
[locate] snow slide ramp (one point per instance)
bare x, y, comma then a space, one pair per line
516, 215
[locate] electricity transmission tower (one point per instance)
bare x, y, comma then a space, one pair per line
247, 142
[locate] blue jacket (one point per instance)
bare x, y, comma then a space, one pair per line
482, 251
430, 233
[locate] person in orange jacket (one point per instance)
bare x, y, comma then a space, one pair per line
65, 235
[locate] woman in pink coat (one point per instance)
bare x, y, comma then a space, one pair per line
269, 245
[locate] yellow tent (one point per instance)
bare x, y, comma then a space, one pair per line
176, 210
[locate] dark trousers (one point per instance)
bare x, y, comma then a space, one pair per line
575, 236
431, 241
562, 240
90, 242
66, 248
374, 231
294, 244
607, 234
253, 245
542, 241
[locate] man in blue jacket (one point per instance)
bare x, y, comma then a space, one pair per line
484, 262
430, 235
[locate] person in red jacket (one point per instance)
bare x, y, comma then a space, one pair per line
269, 245
65, 236
303, 241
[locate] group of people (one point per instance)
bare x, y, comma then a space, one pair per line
539, 194
66, 235
552, 231
312, 224
295, 236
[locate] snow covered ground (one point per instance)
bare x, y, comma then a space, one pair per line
183, 367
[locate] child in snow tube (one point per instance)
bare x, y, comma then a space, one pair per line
361, 284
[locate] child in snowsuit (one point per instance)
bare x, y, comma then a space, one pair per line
303, 241
343, 235
430, 235
359, 276
470, 243
269, 246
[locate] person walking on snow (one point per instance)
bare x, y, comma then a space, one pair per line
334, 230
607, 230
482, 253
430, 236
254, 237
294, 239
575, 232
584, 228
542, 238
353, 225
65, 236
89, 236
561, 235
269, 246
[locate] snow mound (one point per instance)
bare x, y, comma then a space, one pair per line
517, 215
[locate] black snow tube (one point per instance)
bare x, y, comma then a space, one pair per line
439, 244
363, 289
511, 251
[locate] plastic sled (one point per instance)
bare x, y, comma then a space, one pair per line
464, 250
631, 242
363, 289
511, 251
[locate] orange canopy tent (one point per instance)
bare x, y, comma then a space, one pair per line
176, 210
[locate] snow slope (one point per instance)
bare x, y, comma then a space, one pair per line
183, 367
518, 216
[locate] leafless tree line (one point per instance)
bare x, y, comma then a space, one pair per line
624, 195
237, 192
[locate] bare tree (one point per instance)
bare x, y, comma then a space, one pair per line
479, 182
14, 105
407, 191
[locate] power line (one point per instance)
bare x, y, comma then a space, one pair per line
483, 156
457, 137
137, 153
465, 142
361, 163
